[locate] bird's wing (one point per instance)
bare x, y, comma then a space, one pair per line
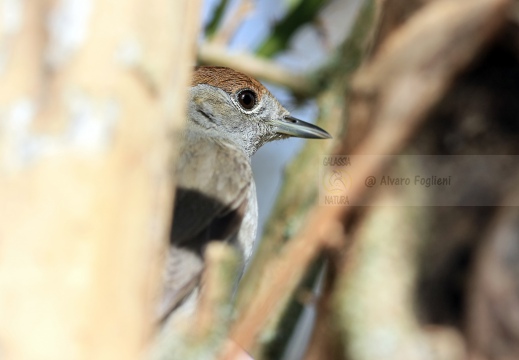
213, 182
182, 271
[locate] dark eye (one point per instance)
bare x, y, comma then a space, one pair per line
247, 99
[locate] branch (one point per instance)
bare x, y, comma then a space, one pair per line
203, 334
296, 196
302, 14
213, 54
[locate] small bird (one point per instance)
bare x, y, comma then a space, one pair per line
230, 116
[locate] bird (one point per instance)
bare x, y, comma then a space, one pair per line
230, 116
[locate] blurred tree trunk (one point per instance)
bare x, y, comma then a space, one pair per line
469, 279
93, 94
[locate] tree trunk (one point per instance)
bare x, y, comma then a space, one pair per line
93, 93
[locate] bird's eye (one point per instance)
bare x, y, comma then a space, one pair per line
247, 99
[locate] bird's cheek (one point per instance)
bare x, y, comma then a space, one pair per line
210, 111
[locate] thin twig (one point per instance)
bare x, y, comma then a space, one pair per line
225, 33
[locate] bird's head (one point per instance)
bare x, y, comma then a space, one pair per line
226, 103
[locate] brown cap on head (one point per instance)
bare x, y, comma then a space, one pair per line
227, 79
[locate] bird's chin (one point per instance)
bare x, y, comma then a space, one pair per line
277, 136
273, 136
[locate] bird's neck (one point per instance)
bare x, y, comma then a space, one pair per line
194, 134
244, 142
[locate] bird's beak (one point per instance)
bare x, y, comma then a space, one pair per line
291, 126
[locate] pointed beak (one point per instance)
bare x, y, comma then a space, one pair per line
298, 128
